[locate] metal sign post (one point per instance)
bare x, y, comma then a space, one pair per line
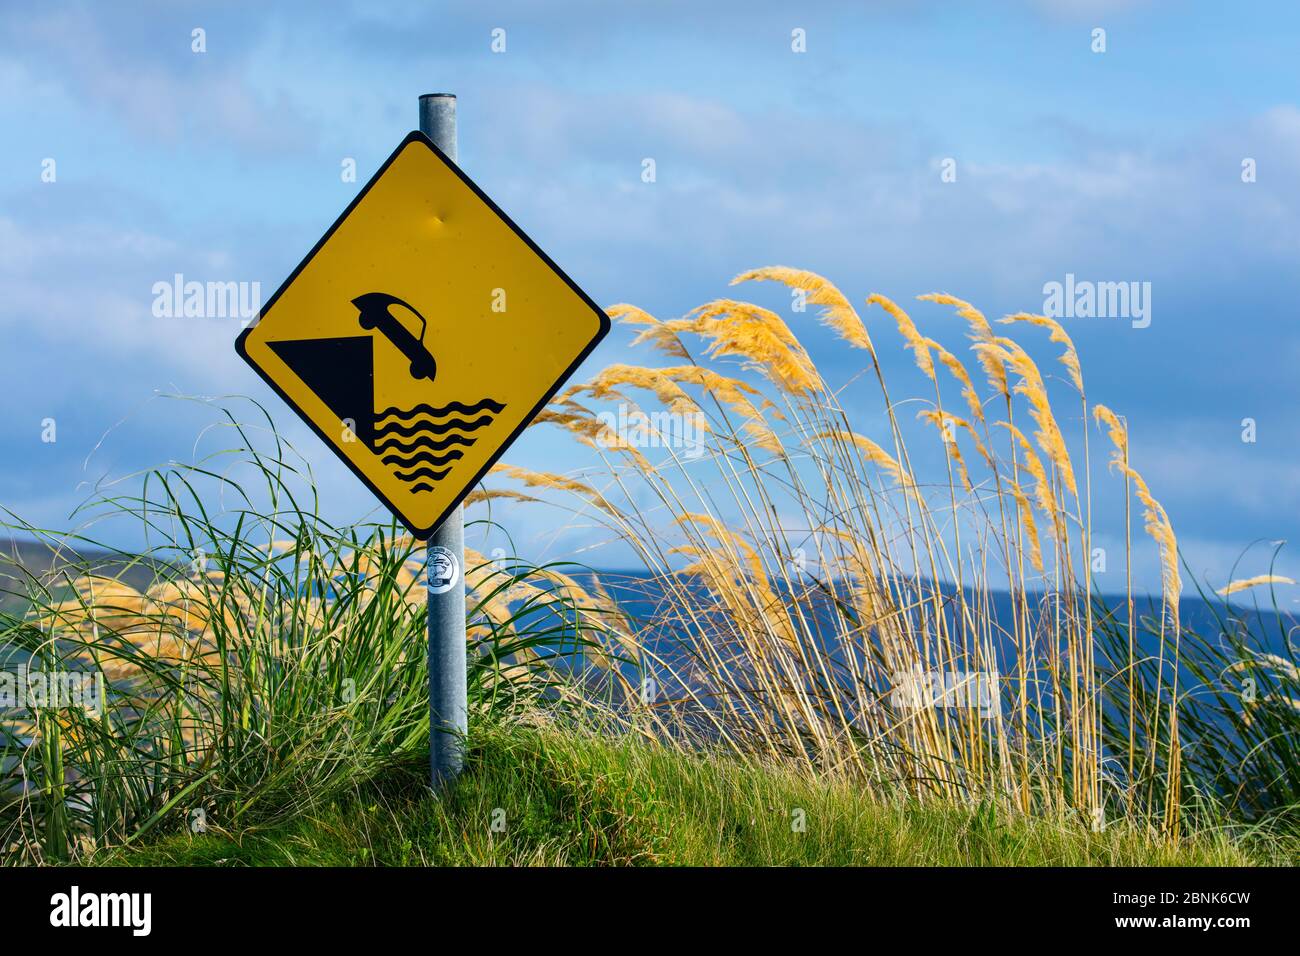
445, 560
418, 339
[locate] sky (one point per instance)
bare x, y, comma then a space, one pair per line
1122, 165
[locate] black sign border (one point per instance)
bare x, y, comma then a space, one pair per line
416, 137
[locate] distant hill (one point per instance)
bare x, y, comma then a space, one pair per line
23, 559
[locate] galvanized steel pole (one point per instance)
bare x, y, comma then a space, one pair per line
445, 561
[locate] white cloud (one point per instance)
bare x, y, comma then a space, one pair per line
164, 94
82, 294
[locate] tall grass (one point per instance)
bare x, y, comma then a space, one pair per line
274, 661
806, 575
802, 585
1238, 710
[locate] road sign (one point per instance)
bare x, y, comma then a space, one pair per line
422, 334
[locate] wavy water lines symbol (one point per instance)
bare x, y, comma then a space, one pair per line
438, 411
394, 443
432, 427
422, 457
420, 445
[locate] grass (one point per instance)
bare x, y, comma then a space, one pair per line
273, 661
563, 799
814, 576
825, 549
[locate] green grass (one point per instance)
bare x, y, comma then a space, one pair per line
243, 692
273, 662
568, 799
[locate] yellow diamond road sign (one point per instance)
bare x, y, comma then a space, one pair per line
422, 334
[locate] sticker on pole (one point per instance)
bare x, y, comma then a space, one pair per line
422, 334
443, 570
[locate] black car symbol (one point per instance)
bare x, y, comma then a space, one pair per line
376, 313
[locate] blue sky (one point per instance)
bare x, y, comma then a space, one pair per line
1118, 166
